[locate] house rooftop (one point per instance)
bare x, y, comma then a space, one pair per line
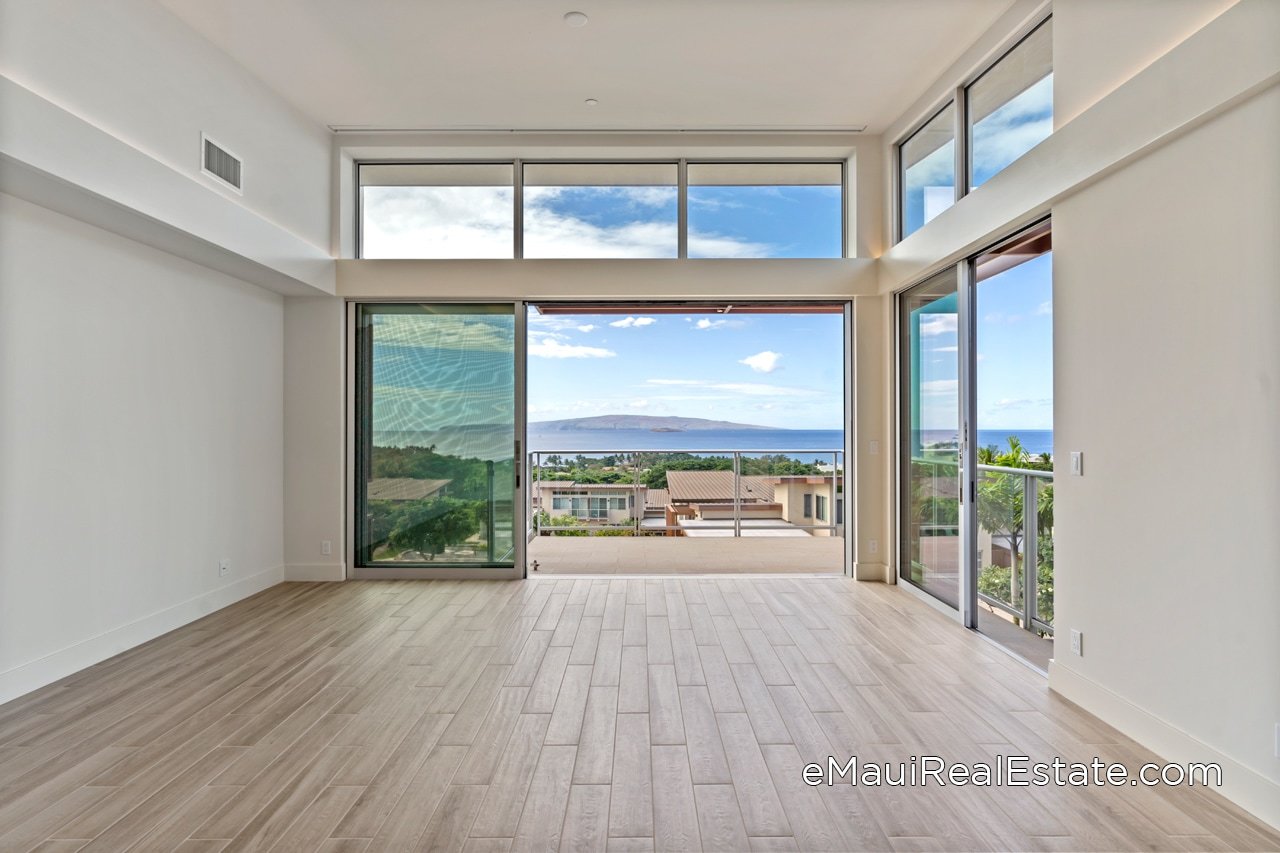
404, 488
698, 486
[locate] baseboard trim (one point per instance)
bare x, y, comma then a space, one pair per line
1245, 787
315, 572
26, 677
871, 572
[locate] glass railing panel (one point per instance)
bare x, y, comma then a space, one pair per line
1044, 551
931, 528
1001, 539
584, 494
697, 493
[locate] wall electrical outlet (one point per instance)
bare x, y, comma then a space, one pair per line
873, 545
1077, 642
224, 567
873, 447
326, 548
1077, 463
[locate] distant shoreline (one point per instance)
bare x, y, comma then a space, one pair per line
652, 423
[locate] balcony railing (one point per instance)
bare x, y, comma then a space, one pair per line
1015, 532
620, 501
1015, 509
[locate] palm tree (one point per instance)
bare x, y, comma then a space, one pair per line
1000, 502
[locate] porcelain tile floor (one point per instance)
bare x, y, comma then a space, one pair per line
571, 714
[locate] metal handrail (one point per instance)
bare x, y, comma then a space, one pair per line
787, 451
1028, 472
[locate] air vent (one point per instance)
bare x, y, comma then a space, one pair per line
220, 164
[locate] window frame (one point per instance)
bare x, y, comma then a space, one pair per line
1024, 34
682, 190
961, 130
900, 185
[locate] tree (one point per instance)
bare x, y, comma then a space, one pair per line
433, 525
1000, 512
546, 519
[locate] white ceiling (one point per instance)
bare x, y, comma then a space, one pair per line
652, 64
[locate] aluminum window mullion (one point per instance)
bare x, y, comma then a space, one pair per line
359, 191
966, 352
682, 209
845, 201
517, 247
961, 133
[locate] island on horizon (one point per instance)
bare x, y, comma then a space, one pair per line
653, 423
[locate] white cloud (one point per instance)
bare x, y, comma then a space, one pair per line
551, 348
750, 389
477, 222
628, 322
586, 328
940, 386
1024, 403
762, 362
437, 222
758, 389
718, 246
938, 324
704, 323
1014, 128
1045, 309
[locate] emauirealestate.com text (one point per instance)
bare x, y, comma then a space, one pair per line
1006, 770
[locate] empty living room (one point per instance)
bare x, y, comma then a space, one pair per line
639, 425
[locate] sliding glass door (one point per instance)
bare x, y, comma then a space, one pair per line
929, 546
975, 460
436, 455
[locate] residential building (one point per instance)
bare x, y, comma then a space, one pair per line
602, 503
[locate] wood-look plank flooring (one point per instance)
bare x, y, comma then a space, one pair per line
566, 714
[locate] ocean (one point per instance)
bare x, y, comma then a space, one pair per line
496, 442
1035, 441
695, 441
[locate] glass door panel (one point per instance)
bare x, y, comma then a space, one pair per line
435, 435
1013, 298
929, 553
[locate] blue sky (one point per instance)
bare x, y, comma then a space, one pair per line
602, 222
774, 370
1015, 354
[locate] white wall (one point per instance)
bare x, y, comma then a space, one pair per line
1166, 304
315, 426
134, 70
1099, 44
143, 441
